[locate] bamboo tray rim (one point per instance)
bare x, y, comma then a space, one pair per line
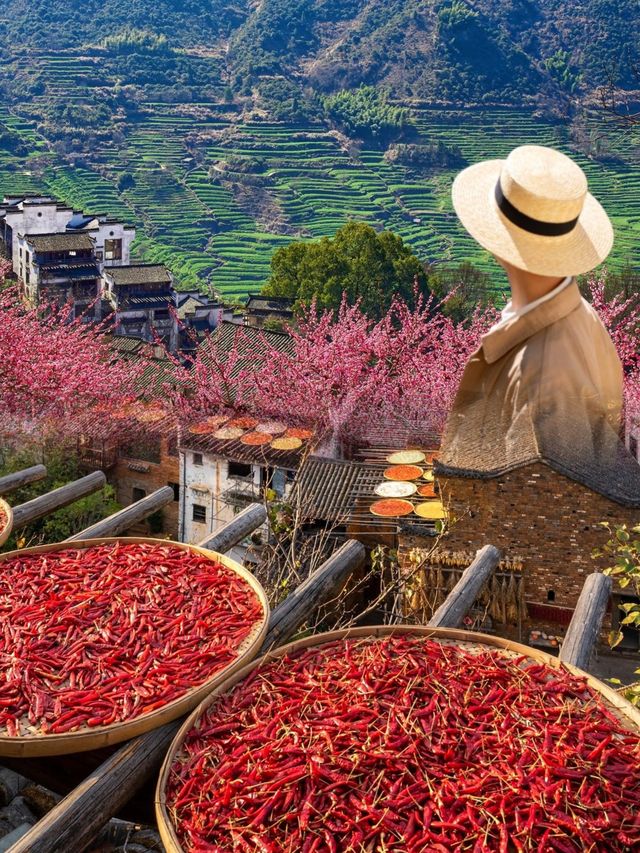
5, 532
452, 636
95, 737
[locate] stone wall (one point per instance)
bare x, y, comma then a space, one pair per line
548, 520
130, 474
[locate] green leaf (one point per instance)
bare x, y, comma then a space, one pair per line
630, 619
622, 535
615, 637
614, 680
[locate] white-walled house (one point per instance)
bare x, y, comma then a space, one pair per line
220, 478
29, 215
112, 238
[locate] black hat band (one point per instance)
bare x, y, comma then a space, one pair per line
535, 226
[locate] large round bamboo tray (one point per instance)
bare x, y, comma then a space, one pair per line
5, 532
90, 738
626, 712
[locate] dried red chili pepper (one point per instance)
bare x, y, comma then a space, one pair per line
406, 744
94, 636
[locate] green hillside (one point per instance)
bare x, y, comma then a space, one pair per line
224, 131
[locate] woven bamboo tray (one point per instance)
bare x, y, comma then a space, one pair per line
626, 712
5, 532
95, 737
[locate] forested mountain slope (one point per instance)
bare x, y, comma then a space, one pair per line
501, 50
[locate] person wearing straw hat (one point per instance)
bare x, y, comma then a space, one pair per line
546, 382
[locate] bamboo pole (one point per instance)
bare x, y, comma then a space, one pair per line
78, 818
231, 534
127, 517
10, 482
460, 600
32, 510
586, 622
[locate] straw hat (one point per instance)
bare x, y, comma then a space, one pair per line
534, 211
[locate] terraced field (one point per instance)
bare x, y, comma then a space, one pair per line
209, 223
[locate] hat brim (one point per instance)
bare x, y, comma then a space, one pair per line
579, 251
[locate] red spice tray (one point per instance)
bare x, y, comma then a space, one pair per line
87, 690
6, 521
252, 799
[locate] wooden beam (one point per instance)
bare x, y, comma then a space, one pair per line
71, 825
320, 587
235, 531
10, 482
460, 600
586, 622
45, 504
127, 517
79, 817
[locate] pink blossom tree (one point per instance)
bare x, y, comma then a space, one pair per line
352, 377
58, 375
621, 317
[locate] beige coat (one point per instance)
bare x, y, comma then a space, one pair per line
546, 386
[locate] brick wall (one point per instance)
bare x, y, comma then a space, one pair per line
548, 520
132, 473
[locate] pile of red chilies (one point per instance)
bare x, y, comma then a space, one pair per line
101, 635
406, 744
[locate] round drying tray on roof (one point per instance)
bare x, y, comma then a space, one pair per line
219, 728
155, 639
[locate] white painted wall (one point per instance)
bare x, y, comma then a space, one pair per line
203, 485
36, 219
113, 231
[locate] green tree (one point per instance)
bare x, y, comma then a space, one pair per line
470, 288
366, 265
624, 549
62, 467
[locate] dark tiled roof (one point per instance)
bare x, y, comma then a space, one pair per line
271, 304
328, 489
151, 300
126, 344
239, 452
59, 242
254, 345
138, 274
598, 460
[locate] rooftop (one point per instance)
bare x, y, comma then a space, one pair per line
62, 242
253, 344
271, 304
239, 452
138, 274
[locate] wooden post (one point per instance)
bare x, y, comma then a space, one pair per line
584, 628
127, 517
78, 818
45, 504
322, 585
10, 482
460, 600
235, 531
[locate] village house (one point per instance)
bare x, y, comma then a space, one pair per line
142, 297
59, 267
260, 310
86, 258
219, 478
27, 215
547, 526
